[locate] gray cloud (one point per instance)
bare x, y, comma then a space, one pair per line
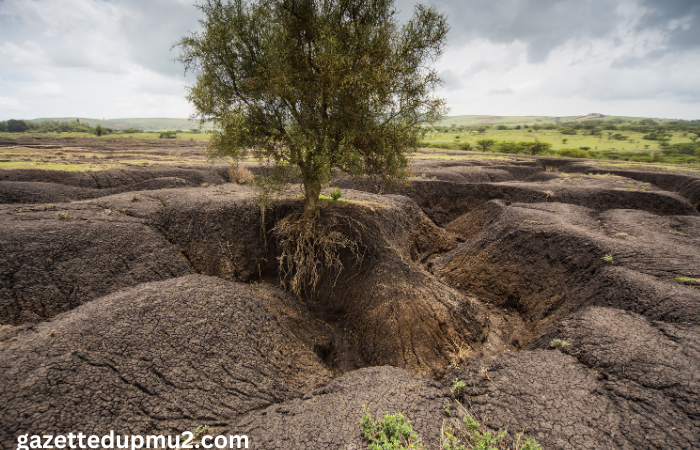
152, 27
678, 20
541, 25
504, 56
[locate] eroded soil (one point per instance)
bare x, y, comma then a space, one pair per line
147, 300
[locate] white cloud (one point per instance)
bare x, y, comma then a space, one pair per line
10, 104
46, 89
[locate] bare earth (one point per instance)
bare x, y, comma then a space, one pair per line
145, 299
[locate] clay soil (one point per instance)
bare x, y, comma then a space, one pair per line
146, 299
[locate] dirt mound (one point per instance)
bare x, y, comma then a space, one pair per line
389, 310
37, 192
444, 202
647, 369
330, 418
622, 382
53, 259
162, 357
548, 260
410, 321
50, 186
687, 186
456, 278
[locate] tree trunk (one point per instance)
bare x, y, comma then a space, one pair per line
312, 190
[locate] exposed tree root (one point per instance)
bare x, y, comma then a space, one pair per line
315, 244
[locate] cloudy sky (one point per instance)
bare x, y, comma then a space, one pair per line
112, 58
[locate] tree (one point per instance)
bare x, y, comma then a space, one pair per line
482, 129
99, 131
485, 144
17, 126
537, 147
316, 85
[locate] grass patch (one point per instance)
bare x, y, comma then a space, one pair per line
688, 280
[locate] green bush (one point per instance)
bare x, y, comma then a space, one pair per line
510, 147
335, 193
573, 153
394, 432
442, 146
168, 135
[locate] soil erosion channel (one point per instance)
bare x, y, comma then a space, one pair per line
148, 301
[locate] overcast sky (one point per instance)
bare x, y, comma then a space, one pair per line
112, 58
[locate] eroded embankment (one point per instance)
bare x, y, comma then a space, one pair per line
456, 278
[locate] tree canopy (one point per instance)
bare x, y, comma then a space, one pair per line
317, 84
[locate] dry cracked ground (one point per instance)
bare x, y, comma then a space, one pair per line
147, 301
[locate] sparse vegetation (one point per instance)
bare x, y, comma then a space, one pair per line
688, 280
463, 432
561, 345
393, 432
65, 215
335, 193
457, 386
240, 175
608, 258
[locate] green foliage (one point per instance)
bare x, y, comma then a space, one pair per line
17, 126
465, 146
394, 432
131, 130
457, 386
319, 85
510, 147
99, 131
485, 144
335, 193
168, 135
561, 345
573, 153
477, 437
608, 259
442, 146
569, 131
537, 147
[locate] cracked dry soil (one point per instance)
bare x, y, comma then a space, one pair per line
137, 300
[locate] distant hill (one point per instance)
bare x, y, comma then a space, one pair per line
144, 124
510, 120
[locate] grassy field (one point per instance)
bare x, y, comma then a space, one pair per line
474, 120
145, 124
558, 140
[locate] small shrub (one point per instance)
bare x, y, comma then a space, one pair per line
168, 135
560, 345
468, 434
335, 193
240, 175
65, 215
573, 153
393, 432
608, 259
135, 197
457, 386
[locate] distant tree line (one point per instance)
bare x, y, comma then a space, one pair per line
55, 126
